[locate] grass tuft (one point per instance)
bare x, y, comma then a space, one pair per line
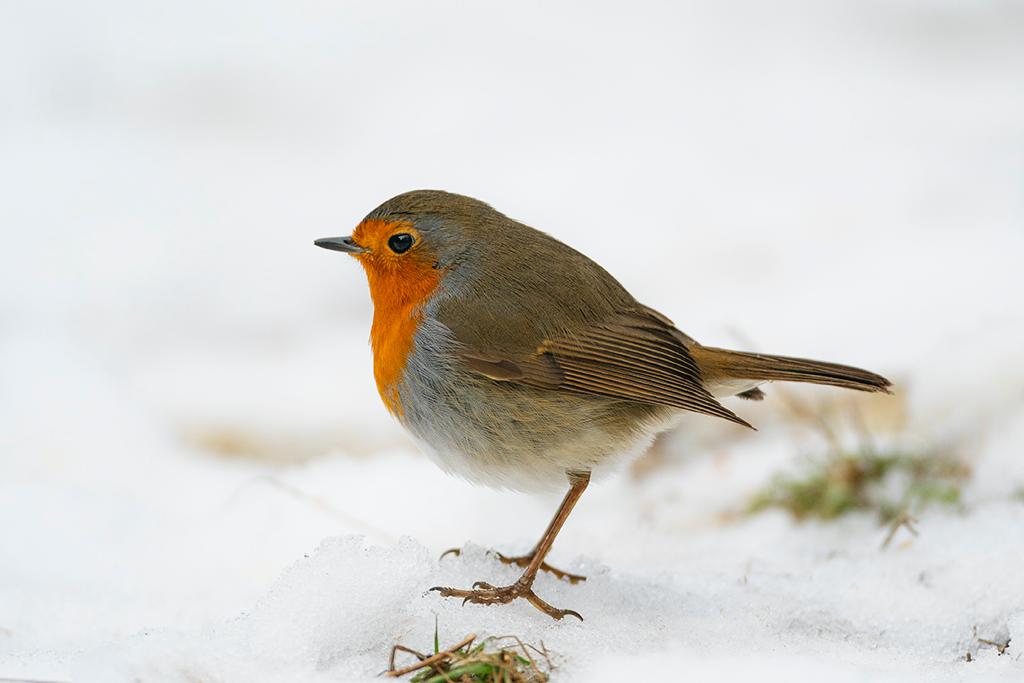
845, 482
892, 480
496, 659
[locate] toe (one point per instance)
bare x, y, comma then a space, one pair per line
520, 561
451, 551
547, 609
447, 592
563, 575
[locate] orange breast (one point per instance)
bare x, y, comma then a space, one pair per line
399, 288
391, 337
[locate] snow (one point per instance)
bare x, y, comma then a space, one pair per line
197, 479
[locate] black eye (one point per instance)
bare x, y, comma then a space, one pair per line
400, 243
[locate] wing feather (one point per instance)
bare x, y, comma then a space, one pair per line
634, 355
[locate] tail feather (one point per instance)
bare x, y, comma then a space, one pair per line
724, 366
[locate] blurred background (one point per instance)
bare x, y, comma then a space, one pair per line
185, 381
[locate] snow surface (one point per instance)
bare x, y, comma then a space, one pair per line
197, 480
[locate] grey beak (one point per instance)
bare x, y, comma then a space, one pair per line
340, 244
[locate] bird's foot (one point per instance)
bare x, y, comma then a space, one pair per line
485, 594
524, 561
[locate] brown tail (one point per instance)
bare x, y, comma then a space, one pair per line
722, 365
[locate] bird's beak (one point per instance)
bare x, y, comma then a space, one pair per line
340, 244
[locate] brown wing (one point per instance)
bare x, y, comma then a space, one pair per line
635, 355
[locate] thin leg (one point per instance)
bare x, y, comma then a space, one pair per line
525, 560
579, 485
486, 594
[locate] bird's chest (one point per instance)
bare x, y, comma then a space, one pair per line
399, 293
392, 338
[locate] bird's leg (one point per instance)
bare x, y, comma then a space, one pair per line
485, 594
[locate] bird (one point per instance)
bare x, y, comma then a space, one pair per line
516, 362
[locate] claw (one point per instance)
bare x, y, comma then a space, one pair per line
451, 551
553, 612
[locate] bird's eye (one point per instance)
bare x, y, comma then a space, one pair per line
400, 243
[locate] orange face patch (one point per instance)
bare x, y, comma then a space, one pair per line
399, 285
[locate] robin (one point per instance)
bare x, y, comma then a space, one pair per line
517, 362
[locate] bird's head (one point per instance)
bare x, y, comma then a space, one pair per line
409, 243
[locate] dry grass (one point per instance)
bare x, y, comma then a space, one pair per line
843, 482
282, 446
496, 659
855, 473
1000, 643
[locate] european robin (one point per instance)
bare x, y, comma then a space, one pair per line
517, 362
